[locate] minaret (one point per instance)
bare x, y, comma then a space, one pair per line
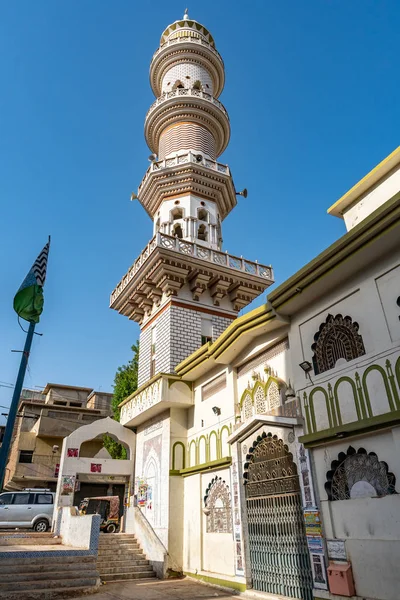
183, 289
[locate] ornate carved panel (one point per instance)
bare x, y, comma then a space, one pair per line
337, 338
218, 507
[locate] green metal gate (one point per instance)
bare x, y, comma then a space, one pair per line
279, 558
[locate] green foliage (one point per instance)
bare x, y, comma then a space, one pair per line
125, 383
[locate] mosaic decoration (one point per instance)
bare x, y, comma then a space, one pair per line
357, 474
218, 507
337, 337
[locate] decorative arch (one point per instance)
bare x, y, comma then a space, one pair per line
178, 451
225, 447
202, 214
218, 508
192, 454
355, 397
357, 474
311, 406
202, 233
178, 85
336, 338
197, 85
246, 405
213, 446
176, 213
259, 399
269, 468
202, 450
177, 231
397, 371
273, 392
385, 383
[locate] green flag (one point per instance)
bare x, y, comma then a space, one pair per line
28, 301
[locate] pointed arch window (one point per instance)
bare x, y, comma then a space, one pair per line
202, 233
178, 85
273, 395
218, 508
197, 85
202, 214
247, 407
178, 231
337, 338
259, 401
356, 474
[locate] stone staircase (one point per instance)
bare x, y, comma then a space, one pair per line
47, 577
120, 558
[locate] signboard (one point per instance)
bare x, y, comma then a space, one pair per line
336, 549
315, 544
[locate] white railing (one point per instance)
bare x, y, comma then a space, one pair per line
191, 93
181, 159
192, 40
191, 249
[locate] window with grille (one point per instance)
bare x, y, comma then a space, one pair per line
337, 338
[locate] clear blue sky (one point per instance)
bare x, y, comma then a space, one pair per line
312, 89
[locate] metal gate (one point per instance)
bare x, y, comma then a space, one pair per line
279, 558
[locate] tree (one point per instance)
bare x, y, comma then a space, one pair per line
125, 383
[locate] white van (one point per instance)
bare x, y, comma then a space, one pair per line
32, 508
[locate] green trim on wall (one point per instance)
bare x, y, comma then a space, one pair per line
311, 405
220, 439
172, 380
206, 449
174, 473
183, 455
190, 452
381, 370
335, 394
215, 433
356, 427
226, 583
213, 464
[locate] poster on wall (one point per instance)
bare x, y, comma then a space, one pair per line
95, 467
67, 485
141, 492
312, 522
72, 452
315, 544
319, 571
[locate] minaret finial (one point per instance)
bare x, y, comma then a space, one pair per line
185, 15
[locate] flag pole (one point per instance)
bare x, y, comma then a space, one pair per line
5, 447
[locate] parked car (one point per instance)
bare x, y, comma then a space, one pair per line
32, 508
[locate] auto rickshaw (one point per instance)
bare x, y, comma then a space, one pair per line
105, 506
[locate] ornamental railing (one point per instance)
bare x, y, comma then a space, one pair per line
190, 39
181, 159
191, 93
191, 249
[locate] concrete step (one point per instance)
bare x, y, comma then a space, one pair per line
122, 563
45, 574
117, 542
127, 576
46, 594
24, 586
126, 550
28, 541
18, 565
124, 569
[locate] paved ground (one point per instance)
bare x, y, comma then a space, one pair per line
176, 589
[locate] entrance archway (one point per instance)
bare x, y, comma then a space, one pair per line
279, 558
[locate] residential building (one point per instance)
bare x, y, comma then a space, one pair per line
44, 420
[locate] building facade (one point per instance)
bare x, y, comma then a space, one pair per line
44, 420
266, 445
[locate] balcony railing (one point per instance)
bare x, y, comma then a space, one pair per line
191, 249
192, 40
181, 159
191, 93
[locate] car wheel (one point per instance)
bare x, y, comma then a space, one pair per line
41, 526
111, 528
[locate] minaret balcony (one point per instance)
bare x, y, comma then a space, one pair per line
187, 173
184, 104
168, 263
186, 50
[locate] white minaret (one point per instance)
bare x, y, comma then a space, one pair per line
183, 290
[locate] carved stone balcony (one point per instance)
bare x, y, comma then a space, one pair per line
187, 173
167, 263
154, 397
